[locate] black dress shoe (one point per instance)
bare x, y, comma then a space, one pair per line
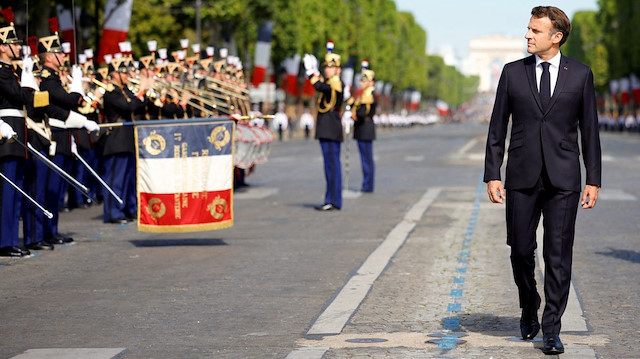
12, 252
551, 344
40, 246
529, 325
119, 221
327, 207
65, 239
57, 239
53, 240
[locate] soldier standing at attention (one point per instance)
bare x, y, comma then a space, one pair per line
329, 126
62, 117
120, 104
16, 92
364, 130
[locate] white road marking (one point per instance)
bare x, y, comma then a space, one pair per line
466, 147
338, 312
308, 353
71, 353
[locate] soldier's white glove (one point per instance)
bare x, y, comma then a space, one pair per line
91, 126
310, 64
75, 120
347, 121
27, 79
346, 94
6, 130
76, 80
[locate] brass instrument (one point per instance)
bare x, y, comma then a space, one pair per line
216, 105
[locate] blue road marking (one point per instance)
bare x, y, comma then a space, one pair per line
458, 280
455, 293
454, 307
451, 323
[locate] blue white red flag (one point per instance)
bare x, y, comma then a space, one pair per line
185, 176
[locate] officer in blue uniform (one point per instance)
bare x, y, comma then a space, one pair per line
364, 130
120, 105
329, 126
16, 92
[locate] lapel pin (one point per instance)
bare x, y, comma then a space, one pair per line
566, 68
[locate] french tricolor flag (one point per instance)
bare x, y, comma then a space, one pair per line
263, 53
624, 90
65, 20
635, 87
292, 66
117, 15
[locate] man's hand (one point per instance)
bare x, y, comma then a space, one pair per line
496, 191
589, 196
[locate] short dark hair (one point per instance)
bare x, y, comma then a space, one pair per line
559, 19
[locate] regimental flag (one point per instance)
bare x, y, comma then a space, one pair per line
185, 176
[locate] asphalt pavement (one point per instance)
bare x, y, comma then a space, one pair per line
417, 269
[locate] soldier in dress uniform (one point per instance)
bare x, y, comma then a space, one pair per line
329, 126
63, 118
16, 92
35, 173
364, 129
85, 141
120, 105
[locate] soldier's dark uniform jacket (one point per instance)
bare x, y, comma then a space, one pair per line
13, 97
365, 107
120, 105
61, 103
329, 126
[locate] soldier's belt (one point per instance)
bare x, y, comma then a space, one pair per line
11, 112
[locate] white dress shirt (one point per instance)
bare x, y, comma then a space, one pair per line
554, 66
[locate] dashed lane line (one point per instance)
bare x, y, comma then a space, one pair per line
71, 353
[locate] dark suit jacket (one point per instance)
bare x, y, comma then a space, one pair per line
547, 138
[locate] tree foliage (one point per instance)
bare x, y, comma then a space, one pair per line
391, 40
607, 40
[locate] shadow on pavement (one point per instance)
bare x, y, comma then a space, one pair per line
631, 256
177, 242
490, 324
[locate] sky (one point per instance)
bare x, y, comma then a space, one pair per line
456, 22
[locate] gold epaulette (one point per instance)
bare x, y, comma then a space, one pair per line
41, 99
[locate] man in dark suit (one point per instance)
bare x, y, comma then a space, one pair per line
548, 97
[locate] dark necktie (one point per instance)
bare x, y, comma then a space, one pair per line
545, 86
